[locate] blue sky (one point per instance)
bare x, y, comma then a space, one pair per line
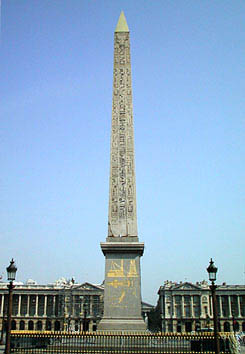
55, 114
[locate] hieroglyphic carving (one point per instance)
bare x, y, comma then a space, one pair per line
122, 204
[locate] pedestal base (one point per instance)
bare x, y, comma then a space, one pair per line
122, 324
122, 294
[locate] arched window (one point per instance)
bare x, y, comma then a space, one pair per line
5, 325
236, 326
179, 326
188, 326
13, 325
169, 327
198, 325
48, 325
22, 325
227, 327
39, 325
57, 326
30, 326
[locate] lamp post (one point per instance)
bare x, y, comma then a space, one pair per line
212, 270
11, 272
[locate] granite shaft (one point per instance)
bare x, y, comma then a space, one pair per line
122, 200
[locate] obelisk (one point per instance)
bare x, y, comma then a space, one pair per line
122, 249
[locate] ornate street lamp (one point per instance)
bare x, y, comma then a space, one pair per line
11, 273
212, 270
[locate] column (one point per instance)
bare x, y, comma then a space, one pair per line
28, 306
1, 310
19, 304
239, 306
199, 304
54, 304
45, 306
161, 304
174, 307
220, 306
182, 306
191, 305
210, 310
91, 305
202, 315
36, 308
72, 305
229, 306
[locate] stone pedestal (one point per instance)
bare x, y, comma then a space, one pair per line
122, 295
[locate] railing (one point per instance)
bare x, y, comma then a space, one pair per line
117, 343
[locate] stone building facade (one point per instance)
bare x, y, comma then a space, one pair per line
186, 307
63, 305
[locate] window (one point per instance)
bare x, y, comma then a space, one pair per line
197, 311
15, 304
30, 326
48, 325
187, 311
169, 310
177, 299
96, 305
39, 325
22, 325
32, 310
40, 305
50, 305
178, 311
23, 307
13, 325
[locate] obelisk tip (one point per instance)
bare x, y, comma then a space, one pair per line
122, 25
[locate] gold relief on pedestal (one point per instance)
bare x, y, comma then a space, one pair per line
132, 269
125, 271
116, 270
126, 283
121, 297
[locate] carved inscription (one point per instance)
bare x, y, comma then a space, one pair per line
122, 204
